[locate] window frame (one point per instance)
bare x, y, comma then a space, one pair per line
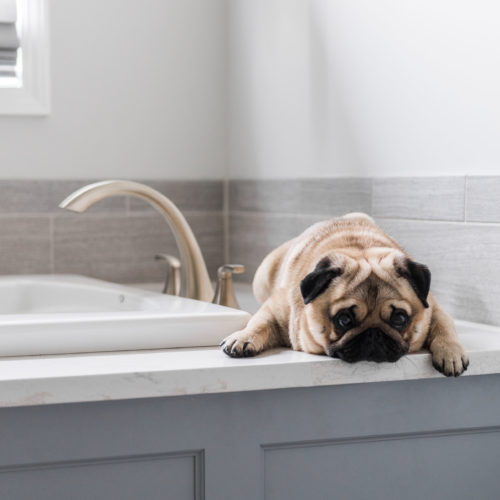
32, 97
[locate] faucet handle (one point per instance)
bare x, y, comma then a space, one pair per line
224, 292
227, 270
173, 278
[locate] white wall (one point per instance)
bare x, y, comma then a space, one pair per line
317, 88
364, 88
138, 91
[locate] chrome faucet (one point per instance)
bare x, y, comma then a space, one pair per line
195, 281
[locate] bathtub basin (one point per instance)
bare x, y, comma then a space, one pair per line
74, 314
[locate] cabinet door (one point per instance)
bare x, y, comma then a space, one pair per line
410, 467
153, 477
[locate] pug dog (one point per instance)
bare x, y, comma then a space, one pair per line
346, 289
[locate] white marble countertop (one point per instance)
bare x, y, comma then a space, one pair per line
38, 380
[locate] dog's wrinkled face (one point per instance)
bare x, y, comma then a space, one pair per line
373, 323
367, 309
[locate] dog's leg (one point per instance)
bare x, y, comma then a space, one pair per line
265, 330
448, 356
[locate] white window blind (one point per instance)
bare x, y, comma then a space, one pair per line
9, 40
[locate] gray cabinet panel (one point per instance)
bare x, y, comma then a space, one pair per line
432, 439
445, 465
154, 477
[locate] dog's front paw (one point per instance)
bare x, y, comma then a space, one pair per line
448, 358
242, 344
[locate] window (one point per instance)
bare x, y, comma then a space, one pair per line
24, 57
10, 66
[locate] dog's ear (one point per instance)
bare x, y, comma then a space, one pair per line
419, 277
316, 282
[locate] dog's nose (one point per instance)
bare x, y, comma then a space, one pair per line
373, 335
374, 344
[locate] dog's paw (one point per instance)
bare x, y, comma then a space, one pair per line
242, 344
449, 358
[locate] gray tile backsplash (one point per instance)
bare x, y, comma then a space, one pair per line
113, 247
332, 197
264, 196
187, 195
39, 197
116, 239
482, 199
122, 248
450, 223
320, 196
428, 198
25, 245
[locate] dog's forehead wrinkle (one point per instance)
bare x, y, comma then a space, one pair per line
374, 287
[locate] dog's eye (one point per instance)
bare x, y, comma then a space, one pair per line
398, 319
344, 320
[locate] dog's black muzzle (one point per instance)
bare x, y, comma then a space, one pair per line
371, 345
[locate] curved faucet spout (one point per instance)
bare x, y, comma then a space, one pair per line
195, 279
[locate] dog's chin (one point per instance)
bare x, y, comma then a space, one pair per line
371, 345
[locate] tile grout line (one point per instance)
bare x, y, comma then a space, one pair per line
371, 197
225, 221
466, 181
326, 216
100, 215
52, 264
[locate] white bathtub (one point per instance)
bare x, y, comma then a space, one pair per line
73, 314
